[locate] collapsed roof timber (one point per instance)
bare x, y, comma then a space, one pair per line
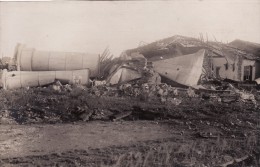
183, 60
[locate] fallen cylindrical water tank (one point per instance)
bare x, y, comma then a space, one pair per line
20, 79
29, 59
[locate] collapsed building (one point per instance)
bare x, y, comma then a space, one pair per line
179, 61
180, 58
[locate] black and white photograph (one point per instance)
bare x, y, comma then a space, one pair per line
130, 83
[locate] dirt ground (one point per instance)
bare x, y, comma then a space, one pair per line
41, 127
27, 140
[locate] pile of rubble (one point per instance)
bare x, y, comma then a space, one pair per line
153, 90
59, 103
133, 77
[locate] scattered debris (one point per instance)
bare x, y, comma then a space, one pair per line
244, 96
99, 83
228, 160
6, 118
191, 92
174, 101
121, 115
85, 114
123, 74
258, 81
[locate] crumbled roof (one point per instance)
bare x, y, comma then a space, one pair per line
181, 45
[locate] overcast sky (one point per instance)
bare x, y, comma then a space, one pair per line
92, 26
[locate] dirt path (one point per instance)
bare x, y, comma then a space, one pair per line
26, 140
